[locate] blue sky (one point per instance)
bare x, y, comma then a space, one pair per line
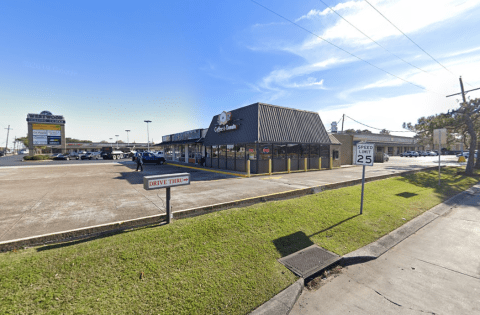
109, 65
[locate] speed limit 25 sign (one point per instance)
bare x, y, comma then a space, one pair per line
364, 154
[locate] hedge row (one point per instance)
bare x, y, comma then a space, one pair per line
37, 157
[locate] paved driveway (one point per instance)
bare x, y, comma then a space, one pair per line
42, 199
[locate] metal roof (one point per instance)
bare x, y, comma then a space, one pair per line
333, 139
260, 122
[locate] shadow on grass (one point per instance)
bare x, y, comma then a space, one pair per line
336, 224
406, 194
91, 237
292, 243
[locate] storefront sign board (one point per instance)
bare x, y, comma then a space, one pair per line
165, 181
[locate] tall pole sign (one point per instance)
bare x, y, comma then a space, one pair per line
364, 154
46, 129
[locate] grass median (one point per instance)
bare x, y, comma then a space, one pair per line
219, 263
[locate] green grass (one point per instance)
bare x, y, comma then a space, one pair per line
220, 263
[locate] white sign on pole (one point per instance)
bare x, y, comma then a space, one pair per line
440, 136
364, 154
165, 181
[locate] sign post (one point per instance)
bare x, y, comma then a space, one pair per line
441, 136
364, 154
166, 181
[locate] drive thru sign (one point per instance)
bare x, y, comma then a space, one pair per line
364, 156
166, 181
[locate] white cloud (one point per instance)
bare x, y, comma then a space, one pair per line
408, 15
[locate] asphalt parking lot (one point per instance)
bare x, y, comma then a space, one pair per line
44, 198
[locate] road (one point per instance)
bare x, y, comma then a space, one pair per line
17, 160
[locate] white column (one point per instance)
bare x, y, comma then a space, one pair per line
186, 153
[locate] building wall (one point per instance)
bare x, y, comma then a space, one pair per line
346, 149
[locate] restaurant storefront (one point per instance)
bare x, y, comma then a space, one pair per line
184, 147
261, 133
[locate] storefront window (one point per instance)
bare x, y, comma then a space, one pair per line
215, 151
240, 151
251, 152
209, 152
230, 152
314, 150
222, 151
304, 151
293, 151
279, 151
265, 152
178, 152
192, 148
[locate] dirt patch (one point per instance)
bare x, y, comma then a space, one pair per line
324, 277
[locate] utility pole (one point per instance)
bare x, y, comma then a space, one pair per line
6, 143
343, 120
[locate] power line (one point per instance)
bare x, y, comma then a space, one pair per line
373, 39
374, 127
338, 47
409, 38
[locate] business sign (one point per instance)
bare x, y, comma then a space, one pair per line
165, 181
46, 134
364, 154
225, 128
45, 117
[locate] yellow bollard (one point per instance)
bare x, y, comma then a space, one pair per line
319, 163
461, 158
288, 166
269, 166
248, 168
305, 166
331, 163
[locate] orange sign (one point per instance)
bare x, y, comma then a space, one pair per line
46, 127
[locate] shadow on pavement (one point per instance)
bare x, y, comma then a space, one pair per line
134, 177
350, 261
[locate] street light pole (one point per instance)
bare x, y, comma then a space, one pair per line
148, 135
117, 141
128, 142
111, 143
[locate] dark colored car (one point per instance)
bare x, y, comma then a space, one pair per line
2, 153
149, 157
62, 157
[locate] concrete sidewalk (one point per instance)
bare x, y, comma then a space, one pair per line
434, 271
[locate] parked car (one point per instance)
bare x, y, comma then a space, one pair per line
409, 154
462, 153
55, 155
386, 157
2, 153
423, 153
149, 157
62, 157
432, 153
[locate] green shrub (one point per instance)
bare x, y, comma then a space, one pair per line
36, 157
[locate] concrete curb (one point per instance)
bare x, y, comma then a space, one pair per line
118, 226
385, 243
283, 302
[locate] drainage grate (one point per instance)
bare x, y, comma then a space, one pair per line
308, 261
